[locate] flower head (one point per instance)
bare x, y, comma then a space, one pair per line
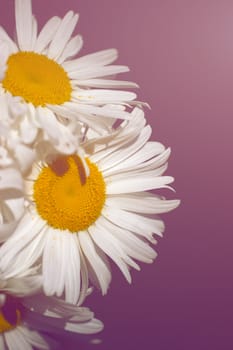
75, 218
23, 321
55, 87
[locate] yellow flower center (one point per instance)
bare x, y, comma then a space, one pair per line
37, 78
65, 197
7, 325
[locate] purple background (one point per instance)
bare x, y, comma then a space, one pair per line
181, 54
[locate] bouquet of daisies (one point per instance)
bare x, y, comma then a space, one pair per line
77, 170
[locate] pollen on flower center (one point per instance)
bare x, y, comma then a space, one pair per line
65, 197
6, 324
37, 78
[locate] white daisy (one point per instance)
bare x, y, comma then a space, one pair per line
40, 68
75, 220
21, 321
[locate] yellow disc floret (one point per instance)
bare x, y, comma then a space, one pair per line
6, 325
37, 78
65, 197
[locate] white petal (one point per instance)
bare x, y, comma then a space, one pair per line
80, 110
11, 183
72, 48
16, 341
91, 327
136, 160
105, 83
98, 265
2, 343
24, 23
62, 35
34, 338
56, 308
130, 243
100, 58
109, 245
6, 230
125, 152
23, 286
137, 184
103, 96
26, 242
28, 131
134, 222
5, 37
34, 33
11, 211
146, 205
72, 283
27, 257
52, 261
84, 276
47, 33
4, 53
96, 72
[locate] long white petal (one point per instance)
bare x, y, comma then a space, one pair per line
16, 341
131, 244
46, 34
5, 37
51, 261
91, 327
25, 234
62, 35
72, 48
133, 222
100, 58
34, 33
137, 184
2, 342
103, 96
146, 205
109, 246
102, 272
136, 161
126, 151
24, 23
72, 282
96, 72
105, 83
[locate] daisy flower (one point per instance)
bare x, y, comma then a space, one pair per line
76, 220
21, 321
55, 87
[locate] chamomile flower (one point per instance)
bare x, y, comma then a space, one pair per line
22, 320
76, 220
40, 69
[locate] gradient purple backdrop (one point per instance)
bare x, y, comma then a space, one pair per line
181, 54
